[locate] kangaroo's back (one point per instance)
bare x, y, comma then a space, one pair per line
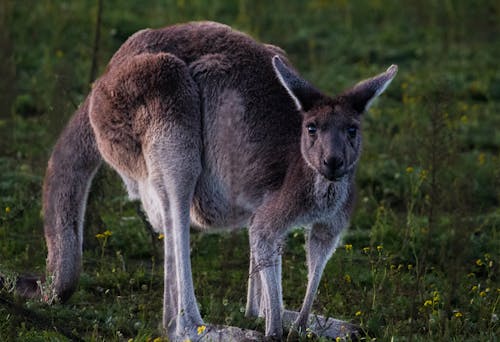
250, 127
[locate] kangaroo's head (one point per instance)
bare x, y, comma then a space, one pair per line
331, 139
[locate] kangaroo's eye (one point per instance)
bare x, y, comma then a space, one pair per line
352, 131
311, 129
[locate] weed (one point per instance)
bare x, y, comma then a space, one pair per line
421, 259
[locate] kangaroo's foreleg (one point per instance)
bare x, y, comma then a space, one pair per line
254, 290
266, 236
256, 301
321, 242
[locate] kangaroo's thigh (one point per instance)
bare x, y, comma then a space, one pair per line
149, 99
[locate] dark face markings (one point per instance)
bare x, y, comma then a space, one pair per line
331, 140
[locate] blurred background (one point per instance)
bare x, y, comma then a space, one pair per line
420, 261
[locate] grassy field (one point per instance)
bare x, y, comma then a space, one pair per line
420, 261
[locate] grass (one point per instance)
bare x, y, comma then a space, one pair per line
420, 261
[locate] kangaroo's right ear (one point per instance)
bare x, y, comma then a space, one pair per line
302, 92
361, 96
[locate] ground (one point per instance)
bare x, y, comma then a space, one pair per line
420, 260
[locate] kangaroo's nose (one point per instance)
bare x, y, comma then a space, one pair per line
334, 163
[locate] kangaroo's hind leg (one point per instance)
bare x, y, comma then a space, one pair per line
173, 161
148, 127
155, 208
174, 169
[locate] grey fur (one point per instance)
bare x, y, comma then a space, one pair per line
206, 125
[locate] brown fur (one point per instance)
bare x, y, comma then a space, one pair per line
205, 124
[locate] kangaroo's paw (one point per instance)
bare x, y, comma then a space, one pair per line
319, 326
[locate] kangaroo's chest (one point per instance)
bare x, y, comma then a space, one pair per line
326, 201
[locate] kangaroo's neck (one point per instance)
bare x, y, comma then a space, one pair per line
313, 189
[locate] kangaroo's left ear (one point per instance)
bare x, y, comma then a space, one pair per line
302, 92
362, 95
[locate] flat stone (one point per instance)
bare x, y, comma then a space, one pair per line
323, 326
224, 333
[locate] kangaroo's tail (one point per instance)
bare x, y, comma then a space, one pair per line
72, 165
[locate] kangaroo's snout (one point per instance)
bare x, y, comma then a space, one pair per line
333, 162
334, 168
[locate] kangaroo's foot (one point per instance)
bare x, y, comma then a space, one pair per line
186, 326
319, 326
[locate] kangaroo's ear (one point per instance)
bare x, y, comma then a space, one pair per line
362, 95
302, 92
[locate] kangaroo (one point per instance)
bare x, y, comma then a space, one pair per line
208, 127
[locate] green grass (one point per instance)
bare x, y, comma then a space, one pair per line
421, 259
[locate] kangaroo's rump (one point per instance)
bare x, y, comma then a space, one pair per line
133, 102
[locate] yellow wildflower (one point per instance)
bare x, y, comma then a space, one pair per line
158, 339
347, 278
201, 329
427, 303
366, 249
410, 267
481, 159
309, 333
358, 313
348, 247
380, 248
103, 235
474, 288
482, 294
161, 236
7, 210
479, 262
458, 314
409, 169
